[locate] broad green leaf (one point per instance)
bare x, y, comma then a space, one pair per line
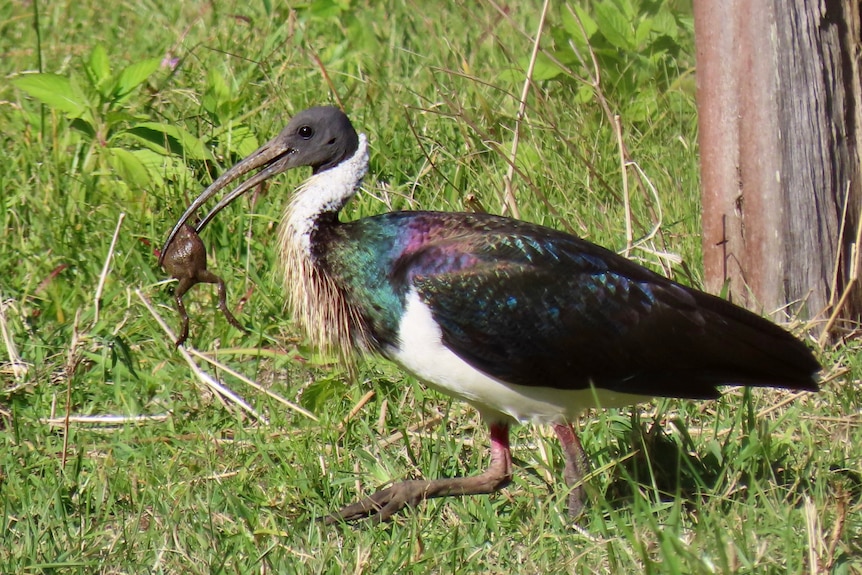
326, 8
320, 393
84, 127
83, 94
643, 31
129, 167
510, 76
168, 139
574, 30
163, 169
154, 140
626, 9
54, 91
209, 102
217, 91
613, 25
116, 118
544, 68
240, 140
134, 75
665, 23
584, 94
99, 70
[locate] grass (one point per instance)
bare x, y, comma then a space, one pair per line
751, 483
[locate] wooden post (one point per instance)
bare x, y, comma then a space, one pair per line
779, 111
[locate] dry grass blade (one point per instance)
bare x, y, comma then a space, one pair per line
71, 364
107, 267
253, 384
665, 258
203, 376
105, 420
842, 499
853, 278
510, 201
624, 178
815, 540
398, 435
357, 408
18, 367
595, 82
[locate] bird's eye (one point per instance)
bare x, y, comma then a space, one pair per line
305, 132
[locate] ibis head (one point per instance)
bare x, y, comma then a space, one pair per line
321, 137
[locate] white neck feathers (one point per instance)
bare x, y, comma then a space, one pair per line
325, 193
313, 296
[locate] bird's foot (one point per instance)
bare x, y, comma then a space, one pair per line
381, 506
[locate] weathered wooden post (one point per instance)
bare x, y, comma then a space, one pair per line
780, 131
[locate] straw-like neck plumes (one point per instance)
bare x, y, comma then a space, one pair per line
314, 298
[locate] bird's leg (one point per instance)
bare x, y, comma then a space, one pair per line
182, 287
577, 466
386, 502
207, 276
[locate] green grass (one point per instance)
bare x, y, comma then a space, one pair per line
747, 484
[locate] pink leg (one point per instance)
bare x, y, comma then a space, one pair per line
577, 466
386, 502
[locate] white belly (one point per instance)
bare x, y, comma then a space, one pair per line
421, 352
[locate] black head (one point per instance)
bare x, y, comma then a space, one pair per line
321, 137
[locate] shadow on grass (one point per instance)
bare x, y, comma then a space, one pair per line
666, 467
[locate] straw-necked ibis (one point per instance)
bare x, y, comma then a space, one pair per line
526, 323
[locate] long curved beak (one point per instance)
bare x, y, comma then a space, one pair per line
271, 158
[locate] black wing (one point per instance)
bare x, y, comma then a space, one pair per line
531, 306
